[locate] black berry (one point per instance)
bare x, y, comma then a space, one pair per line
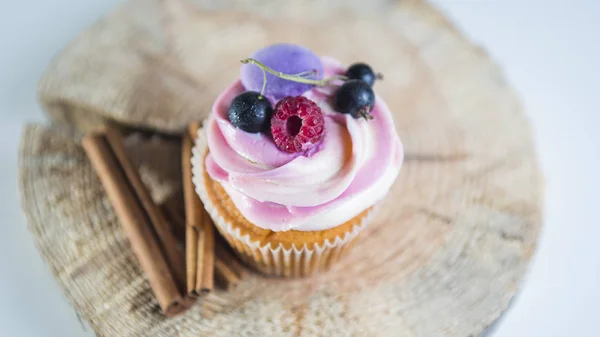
251, 112
355, 97
363, 72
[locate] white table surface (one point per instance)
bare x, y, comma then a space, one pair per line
549, 50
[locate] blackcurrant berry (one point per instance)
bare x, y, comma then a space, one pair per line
355, 97
363, 72
251, 112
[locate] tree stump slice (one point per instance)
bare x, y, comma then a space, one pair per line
444, 256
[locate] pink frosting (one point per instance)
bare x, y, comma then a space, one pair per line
351, 170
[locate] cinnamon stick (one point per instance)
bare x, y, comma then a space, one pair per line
174, 212
191, 263
191, 234
205, 256
126, 194
174, 255
226, 277
199, 229
228, 269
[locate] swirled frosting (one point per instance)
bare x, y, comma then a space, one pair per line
351, 170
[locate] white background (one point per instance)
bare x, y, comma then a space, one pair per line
550, 53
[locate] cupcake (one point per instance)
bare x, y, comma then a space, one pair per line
294, 158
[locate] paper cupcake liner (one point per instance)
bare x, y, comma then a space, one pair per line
268, 258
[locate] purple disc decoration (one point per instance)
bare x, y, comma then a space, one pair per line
287, 58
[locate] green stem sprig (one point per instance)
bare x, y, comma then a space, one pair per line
300, 78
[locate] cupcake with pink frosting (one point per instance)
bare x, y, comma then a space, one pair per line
294, 158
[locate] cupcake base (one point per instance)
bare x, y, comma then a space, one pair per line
288, 253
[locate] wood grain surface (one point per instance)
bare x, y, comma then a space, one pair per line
444, 256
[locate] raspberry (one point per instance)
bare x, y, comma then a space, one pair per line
297, 124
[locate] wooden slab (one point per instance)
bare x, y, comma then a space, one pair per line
443, 258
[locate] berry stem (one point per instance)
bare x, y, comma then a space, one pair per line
262, 91
364, 113
306, 73
293, 78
